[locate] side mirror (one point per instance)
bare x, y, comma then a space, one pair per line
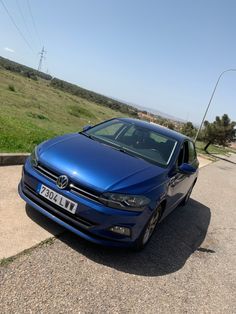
186, 169
87, 127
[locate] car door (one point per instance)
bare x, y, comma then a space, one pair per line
180, 183
190, 157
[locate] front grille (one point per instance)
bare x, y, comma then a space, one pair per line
47, 172
76, 223
57, 211
74, 188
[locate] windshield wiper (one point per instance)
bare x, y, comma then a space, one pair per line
124, 150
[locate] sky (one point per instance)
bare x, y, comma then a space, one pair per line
165, 55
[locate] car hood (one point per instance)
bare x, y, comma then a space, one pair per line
99, 166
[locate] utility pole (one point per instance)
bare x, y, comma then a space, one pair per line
212, 95
42, 56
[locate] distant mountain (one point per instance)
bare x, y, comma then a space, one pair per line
159, 113
153, 111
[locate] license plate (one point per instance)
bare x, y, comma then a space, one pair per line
57, 199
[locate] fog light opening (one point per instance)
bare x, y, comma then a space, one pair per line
121, 230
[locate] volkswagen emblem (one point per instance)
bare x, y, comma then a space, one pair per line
62, 181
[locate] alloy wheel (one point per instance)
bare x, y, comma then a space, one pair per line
151, 226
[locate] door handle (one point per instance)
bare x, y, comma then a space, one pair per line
172, 181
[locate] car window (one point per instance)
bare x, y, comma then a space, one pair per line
146, 142
191, 152
181, 156
137, 140
129, 131
186, 153
157, 138
109, 130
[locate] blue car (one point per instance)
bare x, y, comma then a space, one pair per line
111, 183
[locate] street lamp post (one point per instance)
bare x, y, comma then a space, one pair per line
212, 95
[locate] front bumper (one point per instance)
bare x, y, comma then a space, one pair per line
91, 221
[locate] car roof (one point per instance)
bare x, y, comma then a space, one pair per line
156, 128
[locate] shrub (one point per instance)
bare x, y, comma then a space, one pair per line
11, 87
77, 111
37, 116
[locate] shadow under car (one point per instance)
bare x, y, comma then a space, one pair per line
175, 239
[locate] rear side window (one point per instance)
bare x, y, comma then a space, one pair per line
187, 153
181, 156
191, 152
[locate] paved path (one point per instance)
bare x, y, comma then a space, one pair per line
188, 267
203, 161
18, 231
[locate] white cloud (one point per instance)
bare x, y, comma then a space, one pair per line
9, 49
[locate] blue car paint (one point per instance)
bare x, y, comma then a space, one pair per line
102, 168
97, 165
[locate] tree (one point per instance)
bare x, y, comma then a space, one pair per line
188, 129
170, 125
222, 131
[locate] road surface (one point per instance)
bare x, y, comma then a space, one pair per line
188, 267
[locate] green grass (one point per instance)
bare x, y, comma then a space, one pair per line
35, 111
78, 111
213, 149
11, 88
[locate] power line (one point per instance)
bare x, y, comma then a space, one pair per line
33, 21
16, 26
23, 18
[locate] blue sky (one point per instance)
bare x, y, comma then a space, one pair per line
164, 55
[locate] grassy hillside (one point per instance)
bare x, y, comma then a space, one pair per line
73, 89
33, 110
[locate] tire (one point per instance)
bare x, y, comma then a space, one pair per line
148, 230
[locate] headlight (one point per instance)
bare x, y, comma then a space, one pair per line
34, 158
124, 201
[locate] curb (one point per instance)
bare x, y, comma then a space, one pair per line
11, 159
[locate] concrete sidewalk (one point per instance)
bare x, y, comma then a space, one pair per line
21, 227
203, 161
18, 231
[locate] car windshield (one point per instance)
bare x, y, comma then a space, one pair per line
135, 140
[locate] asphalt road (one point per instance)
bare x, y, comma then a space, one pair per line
188, 267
